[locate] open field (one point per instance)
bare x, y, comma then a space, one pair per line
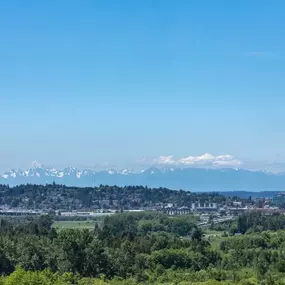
215, 237
58, 225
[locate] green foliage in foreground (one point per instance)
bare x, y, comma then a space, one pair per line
140, 248
46, 277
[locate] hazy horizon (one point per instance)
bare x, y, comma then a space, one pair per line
205, 161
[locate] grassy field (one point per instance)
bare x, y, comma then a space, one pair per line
215, 237
59, 225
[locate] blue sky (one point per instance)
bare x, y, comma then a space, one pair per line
84, 83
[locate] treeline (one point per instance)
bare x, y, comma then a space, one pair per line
253, 221
126, 245
138, 248
257, 222
263, 252
61, 197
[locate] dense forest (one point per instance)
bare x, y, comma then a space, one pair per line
252, 222
61, 197
142, 248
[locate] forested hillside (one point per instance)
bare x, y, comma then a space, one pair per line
53, 196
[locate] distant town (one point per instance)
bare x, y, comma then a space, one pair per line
33, 200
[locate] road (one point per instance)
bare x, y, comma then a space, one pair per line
217, 221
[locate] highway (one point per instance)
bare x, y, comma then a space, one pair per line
217, 221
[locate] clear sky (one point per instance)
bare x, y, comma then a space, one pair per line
88, 83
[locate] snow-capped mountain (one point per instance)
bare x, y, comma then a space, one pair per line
195, 179
39, 174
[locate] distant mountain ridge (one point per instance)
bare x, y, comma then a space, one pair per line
194, 179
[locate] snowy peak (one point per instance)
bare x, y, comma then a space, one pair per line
38, 170
196, 179
36, 164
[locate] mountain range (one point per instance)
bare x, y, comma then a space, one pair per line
193, 179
